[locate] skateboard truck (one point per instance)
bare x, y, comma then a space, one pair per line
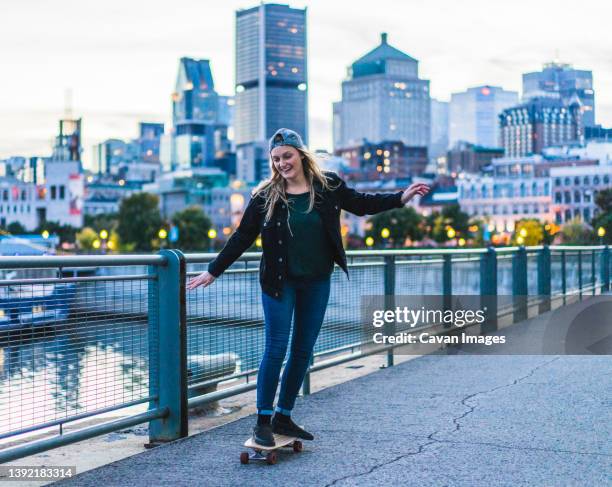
269, 454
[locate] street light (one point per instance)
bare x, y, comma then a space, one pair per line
384, 233
369, 241
162, 233
258, 241
461, 242
45, 234
450, 233
103, 234
523, 232
212, 233
96, 244
601, 233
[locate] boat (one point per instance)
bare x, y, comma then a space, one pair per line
26, 305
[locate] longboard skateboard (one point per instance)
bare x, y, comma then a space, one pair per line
269, 454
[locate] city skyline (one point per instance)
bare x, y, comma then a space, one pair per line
123, 72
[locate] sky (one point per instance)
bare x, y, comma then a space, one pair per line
119, 59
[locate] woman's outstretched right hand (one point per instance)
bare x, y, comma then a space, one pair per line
204, 279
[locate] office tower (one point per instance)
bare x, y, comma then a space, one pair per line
438, 143
199, 118
271, 82
148, 141
473, 114
383, 99
539, 123
563, 82
194, 97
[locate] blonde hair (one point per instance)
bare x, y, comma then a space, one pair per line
273, 188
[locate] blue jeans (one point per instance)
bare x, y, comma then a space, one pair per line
306, 301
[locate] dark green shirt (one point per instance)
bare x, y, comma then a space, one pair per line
310, 254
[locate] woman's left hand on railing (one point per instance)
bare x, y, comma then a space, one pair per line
204, 279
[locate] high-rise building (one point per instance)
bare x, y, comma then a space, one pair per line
473, 114
200, 120
383, 99
148, 141
111, 153
438, 143
271, 80
194, 97
563, 82
539, 123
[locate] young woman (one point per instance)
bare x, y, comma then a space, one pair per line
297, 213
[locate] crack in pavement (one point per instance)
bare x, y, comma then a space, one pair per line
471, 408
455, 420
393, 460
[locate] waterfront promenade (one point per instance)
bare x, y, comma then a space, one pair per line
442, 419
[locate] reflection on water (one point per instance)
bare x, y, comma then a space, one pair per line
49, 374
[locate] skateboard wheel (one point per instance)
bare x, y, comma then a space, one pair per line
244, 458
271, 458
297, 446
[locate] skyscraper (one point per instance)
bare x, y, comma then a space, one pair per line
438, 143
271, 81
199, 118
473, 114
148, 141
539, 123
194, 97
562, 81
383, 99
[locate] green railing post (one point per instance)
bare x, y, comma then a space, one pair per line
544, 279
488, 289
580, 274
447, 284
168, 348
593, 278
389, 300
563, 277
605, 269
520, 288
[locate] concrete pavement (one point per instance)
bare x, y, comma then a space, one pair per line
440, 420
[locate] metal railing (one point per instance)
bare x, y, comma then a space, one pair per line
84, 339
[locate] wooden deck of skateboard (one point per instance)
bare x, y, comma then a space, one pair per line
279, 440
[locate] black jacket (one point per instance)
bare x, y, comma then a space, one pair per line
273, 265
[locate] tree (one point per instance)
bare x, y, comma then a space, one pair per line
402, 223
452, 217
528, 232
139, 220
604, 218
86, 237
104, 221
577, 233
193, 226
16, 228
66, 233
